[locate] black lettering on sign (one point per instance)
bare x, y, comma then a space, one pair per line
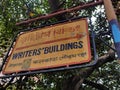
15, 65
63, 47
47, 50
28, 53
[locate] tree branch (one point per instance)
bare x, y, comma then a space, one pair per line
76, 81
106, 58
95, 85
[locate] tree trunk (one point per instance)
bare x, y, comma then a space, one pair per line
55, 6
73, 83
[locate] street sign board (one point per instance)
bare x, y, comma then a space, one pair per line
50, 47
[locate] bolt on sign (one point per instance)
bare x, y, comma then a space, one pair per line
50, 47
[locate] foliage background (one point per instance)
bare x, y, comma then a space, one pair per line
12, 11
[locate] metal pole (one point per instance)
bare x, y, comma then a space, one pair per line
115, 27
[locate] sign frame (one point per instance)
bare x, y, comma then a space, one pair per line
46, 70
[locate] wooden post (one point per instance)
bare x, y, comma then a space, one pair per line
113, 22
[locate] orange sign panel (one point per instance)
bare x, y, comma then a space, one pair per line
50, 47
